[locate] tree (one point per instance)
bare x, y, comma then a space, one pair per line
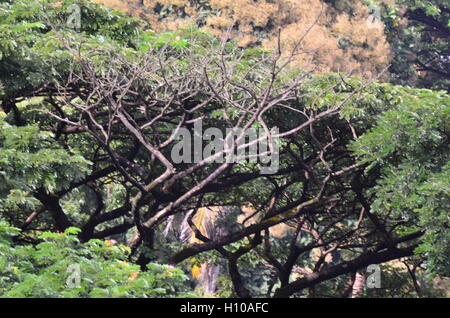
95, 269
419, 33
93, 120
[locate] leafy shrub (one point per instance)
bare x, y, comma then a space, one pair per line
60, 266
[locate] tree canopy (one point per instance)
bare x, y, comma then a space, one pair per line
99, 107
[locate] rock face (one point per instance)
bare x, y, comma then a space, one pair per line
214, 222
345, 36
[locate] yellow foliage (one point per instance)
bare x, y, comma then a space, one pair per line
110, 243
219, 22
279, 230
196, 271
344, 39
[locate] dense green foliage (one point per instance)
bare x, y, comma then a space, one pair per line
419, 33
94, 269
410, 145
